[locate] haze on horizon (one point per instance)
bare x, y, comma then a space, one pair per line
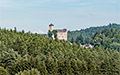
36, 15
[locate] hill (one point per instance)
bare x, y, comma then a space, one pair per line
32, 54
87, 33
107, 38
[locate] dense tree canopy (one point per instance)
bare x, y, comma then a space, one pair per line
108, 38
51, 33
26, 53
89, 32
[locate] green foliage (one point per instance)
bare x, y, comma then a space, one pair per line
51, 33
72, 40
3, 71
107, 38
29, 72
80, 39
26, 53
89, 32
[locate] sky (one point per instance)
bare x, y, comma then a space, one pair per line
36, 15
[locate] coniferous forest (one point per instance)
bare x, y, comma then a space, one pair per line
84, 35
33, 54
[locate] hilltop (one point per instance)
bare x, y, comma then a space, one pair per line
89, 32
32, 54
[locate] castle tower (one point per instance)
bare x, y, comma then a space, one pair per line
51, 27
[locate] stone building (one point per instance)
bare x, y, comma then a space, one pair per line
61, 33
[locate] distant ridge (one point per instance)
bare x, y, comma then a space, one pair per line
88, 32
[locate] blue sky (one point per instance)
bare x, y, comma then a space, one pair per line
36, 15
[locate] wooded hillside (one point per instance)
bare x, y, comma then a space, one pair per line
32, 54
89, 32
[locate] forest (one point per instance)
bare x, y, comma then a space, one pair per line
108, 38
33, 54
87, 33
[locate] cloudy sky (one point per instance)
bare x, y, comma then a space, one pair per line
36, 15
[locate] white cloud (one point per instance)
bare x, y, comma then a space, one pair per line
39, 32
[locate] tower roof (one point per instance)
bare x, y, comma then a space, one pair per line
51, 24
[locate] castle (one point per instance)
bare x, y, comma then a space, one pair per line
61, 33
